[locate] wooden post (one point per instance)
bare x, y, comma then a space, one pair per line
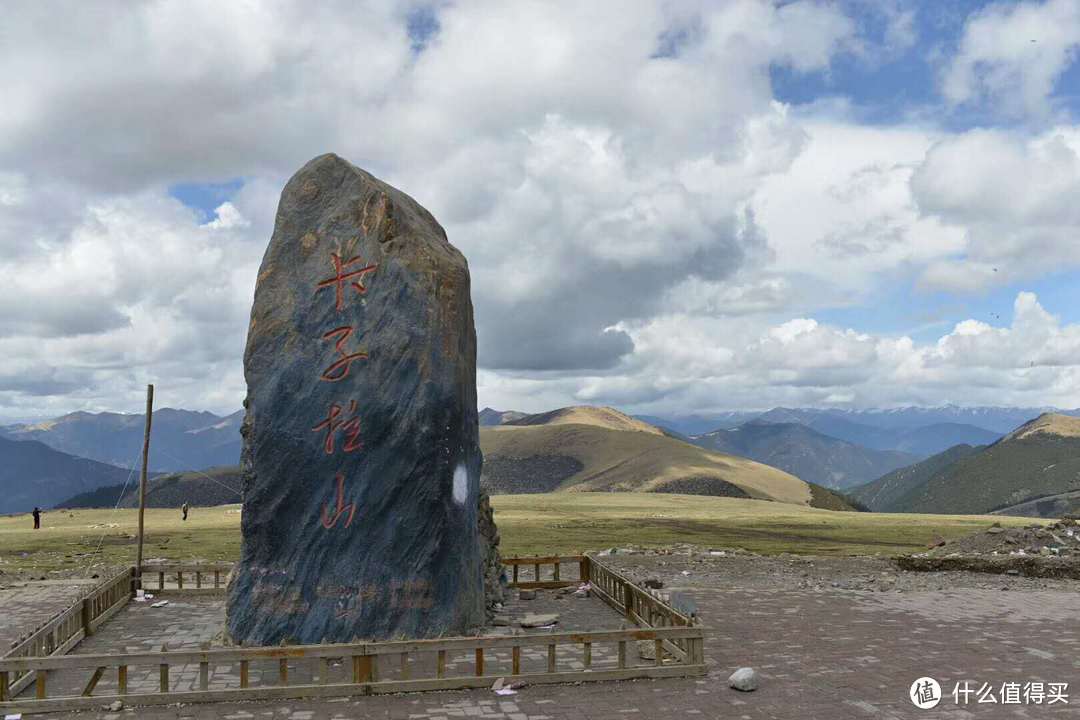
5, 685
622, 654
324, 670
479, 662
283, 671
204, 669
440, 664
40, 676
243, 673
583, 569
516, 669
516, 573
588, 655
121, 679
659, 652
404, 666
142, 482
86, 618
551, 658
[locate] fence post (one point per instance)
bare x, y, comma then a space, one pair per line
86, 618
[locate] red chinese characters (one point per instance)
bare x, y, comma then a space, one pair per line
349, 427
341, 277
341, 507
339, 420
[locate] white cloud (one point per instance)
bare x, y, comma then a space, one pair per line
1013, 198
1012, 54
643, 220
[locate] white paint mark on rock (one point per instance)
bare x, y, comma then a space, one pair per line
461, 485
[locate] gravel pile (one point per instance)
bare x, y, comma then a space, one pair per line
1061, 539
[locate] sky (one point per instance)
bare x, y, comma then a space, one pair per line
669, 207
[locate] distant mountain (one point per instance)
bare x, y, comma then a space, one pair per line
33, 474
890, 491
1040, 460
939, 437
214, 486
489, 417
600, 449
179, 439
805, 453
997, 419
690, 425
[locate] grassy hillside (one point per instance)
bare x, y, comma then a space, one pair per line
889, 491
603, 417
592, 458
1037, 460
214, 486
529, 524
805, 453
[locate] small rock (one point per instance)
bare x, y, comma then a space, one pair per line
995, 530
534, 620
116, 706
498, 684
646, 649
744, 679
1012, 571
526, 594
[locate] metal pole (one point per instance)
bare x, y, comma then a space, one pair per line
142, 481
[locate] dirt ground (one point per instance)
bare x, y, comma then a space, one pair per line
831, 638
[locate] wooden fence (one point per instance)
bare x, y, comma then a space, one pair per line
355, 668
67, 629
170, 577
408, 665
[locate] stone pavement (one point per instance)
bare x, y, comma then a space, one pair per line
26, 605
822, 653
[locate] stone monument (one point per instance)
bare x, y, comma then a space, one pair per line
361, 454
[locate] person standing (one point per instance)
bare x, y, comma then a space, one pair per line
183, 510
37, 518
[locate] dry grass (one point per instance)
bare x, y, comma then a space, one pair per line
85, 540
619, 460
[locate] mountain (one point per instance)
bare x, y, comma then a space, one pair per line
889, 491
805, 453
33, 474
215, 486
600, 449
489, 417
1040, 460
933, 439
179, 439
604, 417
689, 425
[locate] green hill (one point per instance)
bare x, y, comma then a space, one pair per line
1040, 459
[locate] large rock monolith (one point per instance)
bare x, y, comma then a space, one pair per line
361, 453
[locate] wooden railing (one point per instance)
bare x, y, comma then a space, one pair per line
535, 568
170, 577
66, 630
364, 668
639, 605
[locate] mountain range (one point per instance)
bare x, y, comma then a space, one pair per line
179, 439
35, 475
805, 453
1036, 464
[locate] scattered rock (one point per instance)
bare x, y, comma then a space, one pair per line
744, 679
536, 620
995, 530
116, 706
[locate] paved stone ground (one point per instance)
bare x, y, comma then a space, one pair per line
822, 651
27, 605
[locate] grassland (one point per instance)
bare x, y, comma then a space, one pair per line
82, 540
